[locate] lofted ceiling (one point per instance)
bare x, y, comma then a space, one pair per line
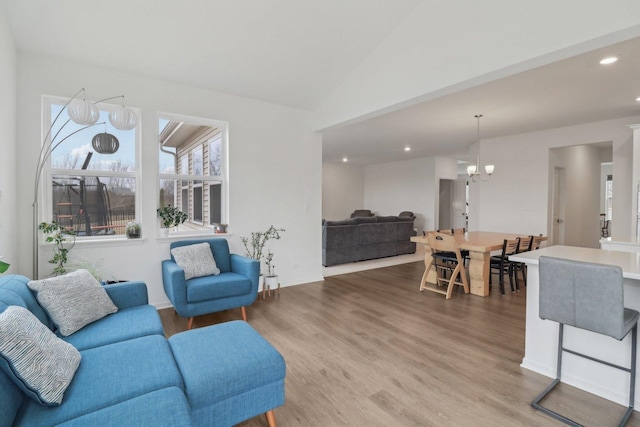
568, 92
295, 53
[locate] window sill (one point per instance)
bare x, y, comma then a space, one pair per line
89, 242
173, 237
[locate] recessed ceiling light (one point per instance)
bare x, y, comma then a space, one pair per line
638, 99
608, 60
345, 160
407, 148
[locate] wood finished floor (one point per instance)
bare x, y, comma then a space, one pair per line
368, 349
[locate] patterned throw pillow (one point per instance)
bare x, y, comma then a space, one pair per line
73, 300
196, 260
39, 362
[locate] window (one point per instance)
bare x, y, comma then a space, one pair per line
90, 193
197, 146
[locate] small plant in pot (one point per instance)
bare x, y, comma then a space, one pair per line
271, 279
57, 235
170, 216
254, 246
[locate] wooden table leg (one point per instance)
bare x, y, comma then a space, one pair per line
479, 269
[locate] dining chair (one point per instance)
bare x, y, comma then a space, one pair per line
525, 245
463, 252
536, 242
502, 264
442, 246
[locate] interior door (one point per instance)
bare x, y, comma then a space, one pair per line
558, 216
459, 203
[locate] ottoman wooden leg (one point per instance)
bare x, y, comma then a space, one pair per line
271, 418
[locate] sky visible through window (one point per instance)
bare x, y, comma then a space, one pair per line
72, 152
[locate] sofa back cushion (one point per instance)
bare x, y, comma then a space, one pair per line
14, 291
219, 249
11, 398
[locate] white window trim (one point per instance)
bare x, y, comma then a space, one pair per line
223, 178
46, 187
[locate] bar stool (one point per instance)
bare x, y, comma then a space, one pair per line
587, 296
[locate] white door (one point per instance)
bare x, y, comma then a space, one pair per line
459, 203
558, 217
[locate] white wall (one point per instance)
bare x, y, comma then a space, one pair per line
516, 198
8, 188
490, 40
275, 168
342, 190
410, 185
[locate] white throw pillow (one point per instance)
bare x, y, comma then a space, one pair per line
73, 300
196, 260
41, 364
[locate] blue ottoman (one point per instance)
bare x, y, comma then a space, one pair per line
230, 372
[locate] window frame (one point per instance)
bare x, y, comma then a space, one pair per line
203, 181
45, 193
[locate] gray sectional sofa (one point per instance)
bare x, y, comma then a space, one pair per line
363, 238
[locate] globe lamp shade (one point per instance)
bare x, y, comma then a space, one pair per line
105, 143
123, 118
83, 112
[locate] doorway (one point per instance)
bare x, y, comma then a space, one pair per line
452, 208
576, 194
558, 207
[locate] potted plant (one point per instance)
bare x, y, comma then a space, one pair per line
4, 266
170, 216
96, 269
271, 279
57, 235
133, 230
254, 246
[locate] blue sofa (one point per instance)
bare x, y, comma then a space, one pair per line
235, 287
131, 375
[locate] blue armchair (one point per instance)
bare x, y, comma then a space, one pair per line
235, 286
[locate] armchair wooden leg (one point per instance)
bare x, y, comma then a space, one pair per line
190, 323
244, 314
271, 418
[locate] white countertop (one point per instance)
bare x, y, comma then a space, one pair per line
628, 261
621, 240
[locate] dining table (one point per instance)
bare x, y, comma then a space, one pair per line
480, 244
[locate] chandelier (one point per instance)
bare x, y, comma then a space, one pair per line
474, 171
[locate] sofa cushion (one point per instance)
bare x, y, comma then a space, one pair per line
11, 397
341, 222
231, 362
215, 287
109, 375
389, 219
18, 285
41, 364
134, 322
165, 407
73, 300
196, 260
366, 220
